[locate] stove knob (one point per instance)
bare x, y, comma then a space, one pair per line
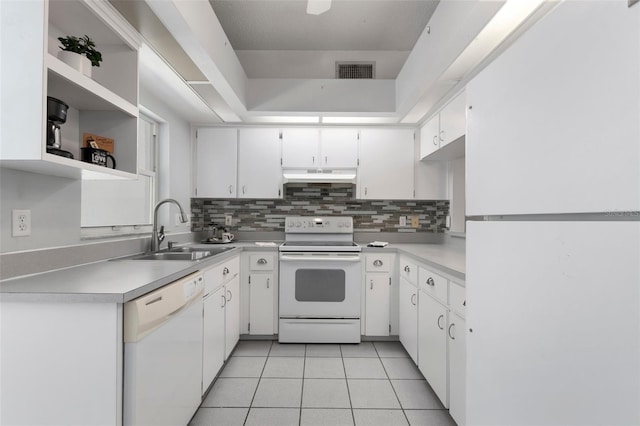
298, 224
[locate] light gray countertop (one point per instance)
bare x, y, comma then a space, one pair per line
118, 281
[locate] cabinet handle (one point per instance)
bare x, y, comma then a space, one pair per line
464, 303
225, 271
365, 190
224, 301
413, 299
244, 187
406, 268
313, 160
435, 140
268, 282
262, 261
230, 296
230, 189
431, 282
377, 262
449, 331
442, 135
439, 318
371, 285
325, 160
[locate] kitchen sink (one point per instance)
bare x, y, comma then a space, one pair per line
180, 253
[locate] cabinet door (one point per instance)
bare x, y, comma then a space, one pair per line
213, 352
385, 153
339, 148
432, 345
261, 303
453, 120
216, 162
300, 148
377, 304
232, 315
567, 140
457, 369
430, 136
408, 305
259, 169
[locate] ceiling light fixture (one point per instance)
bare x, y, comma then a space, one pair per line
318, 7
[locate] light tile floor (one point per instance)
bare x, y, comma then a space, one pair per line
373, 383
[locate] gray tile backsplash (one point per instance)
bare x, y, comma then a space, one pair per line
325, 200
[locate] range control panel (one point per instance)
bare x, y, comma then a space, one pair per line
318, 224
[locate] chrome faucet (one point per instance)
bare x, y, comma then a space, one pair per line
158, 236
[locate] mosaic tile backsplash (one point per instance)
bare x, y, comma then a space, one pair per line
322, 200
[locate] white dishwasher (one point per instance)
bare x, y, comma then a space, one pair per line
163, 354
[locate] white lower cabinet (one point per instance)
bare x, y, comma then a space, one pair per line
231, 316
259, 311
408, 318
213, 336
377, 291
456, 333
432, 344
221, 316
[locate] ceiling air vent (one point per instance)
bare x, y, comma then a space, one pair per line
346, 70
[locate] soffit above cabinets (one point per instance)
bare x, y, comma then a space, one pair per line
253, 60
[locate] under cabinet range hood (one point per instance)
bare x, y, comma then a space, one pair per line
319, 176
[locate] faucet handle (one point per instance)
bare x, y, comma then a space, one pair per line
161, 234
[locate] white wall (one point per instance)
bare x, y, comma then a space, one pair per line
55, 210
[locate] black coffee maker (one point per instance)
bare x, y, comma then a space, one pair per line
56, 115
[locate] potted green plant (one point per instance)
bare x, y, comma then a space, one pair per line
80, 53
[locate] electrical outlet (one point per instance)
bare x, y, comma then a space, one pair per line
415, 221
228, 220
21, 223
403, 221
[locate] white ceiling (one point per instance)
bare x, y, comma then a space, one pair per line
251, 60
347, 25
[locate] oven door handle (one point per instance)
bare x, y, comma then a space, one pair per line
286, 258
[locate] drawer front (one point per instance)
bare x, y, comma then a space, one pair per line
409, 270
219, 274
457, 298
433, 284
379, 262
262, 262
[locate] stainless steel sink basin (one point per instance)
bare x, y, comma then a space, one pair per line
180, 253
172, 255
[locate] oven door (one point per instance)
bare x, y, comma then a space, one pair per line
320, 285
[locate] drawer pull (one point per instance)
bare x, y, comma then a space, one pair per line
267, 282
413, 299
377, 262
464, 303
406, 268
439, 318
230, 295
151, 302
371, 284
262, 261
449, 331
431, 282
224, 301
225, 271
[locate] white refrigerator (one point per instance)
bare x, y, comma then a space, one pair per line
553, 230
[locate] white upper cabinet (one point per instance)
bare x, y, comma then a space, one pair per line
259, 168
216, 162
386, 164
453, 120
553, 122
313, 148
105, 104
448, 125
339, 148
300, 147
430, 136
